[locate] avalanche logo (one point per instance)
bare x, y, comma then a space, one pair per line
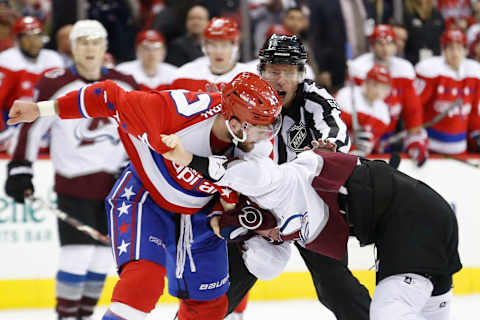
296, 135
91, 131
251, 218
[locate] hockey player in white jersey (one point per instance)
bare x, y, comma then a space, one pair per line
149, 69
86, 155
221, 41
318, 197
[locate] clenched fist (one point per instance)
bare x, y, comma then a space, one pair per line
23, 111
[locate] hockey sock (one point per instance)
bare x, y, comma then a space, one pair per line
68, 288
93, 289
140, 286
201, 310
120, 311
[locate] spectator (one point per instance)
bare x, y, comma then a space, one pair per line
425, 25
7, 18
189, 46
380, 11
295, 21
474, 49
149, 70
39, 9
329, 43
401, 36
455, 9
64, 47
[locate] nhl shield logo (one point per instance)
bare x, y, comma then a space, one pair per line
296, 136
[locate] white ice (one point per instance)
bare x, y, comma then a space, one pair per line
463, 308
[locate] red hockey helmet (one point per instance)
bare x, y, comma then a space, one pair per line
250, 99
150, 37
380, 73
221, 29
27, 24
277, 29
382, 32
453, 35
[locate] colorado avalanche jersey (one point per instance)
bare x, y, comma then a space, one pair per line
372, 117
85, 152
19, 74
142, 118
162, 80
439, 86
195, 75
403, 100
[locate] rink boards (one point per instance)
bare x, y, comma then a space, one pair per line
29, 241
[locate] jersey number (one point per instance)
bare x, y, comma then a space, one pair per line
188, 103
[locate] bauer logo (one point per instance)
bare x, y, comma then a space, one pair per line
213, 285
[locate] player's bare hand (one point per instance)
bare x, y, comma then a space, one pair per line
215, 225
23, 111
322, 145
178, 154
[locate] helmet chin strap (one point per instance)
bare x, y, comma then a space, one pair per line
236, 139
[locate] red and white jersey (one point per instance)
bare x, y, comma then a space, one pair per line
85, 152
439, 86
373, 117
455, 8
403, 100
162, 80
195, 75
142, 117
19, 74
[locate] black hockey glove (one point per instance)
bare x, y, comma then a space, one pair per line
19, 180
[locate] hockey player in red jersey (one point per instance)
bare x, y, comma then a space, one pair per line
86, 154
154, 197
221, 40
442, 81
367, 103
148, 69
403, 101
23, 65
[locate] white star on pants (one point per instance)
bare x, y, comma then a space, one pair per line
123, 209
127, 193
123, 247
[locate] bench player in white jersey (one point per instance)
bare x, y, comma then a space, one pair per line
22, 66
440, 82
220, 65
86, 155
318, 196
149, 70
403, 101
367, 101
158, 211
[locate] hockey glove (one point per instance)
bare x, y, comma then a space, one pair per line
19, 181
416, 146
364, 142
247, 216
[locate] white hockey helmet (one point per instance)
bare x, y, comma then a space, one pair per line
87, 28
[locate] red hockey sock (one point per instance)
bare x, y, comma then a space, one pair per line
243, 305
203, 310
141, 285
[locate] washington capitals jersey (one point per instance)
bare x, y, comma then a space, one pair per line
195, 75
86, 153
162, 80
372, 117
142, 117
403, 100
440, 86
